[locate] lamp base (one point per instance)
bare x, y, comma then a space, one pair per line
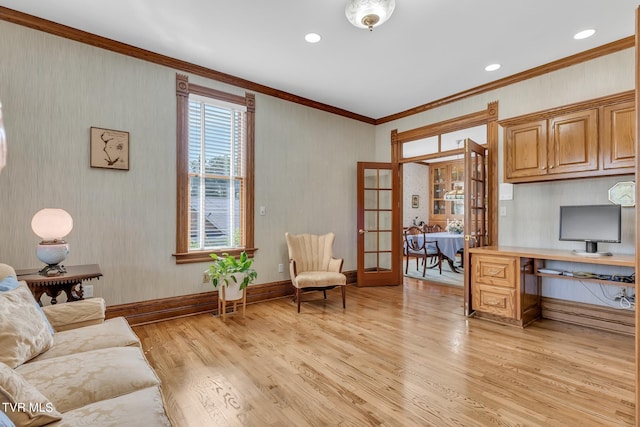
52, 270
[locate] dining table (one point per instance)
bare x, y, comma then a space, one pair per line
449, 244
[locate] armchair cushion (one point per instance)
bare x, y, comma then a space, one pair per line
320, 279
22, 402
24, 333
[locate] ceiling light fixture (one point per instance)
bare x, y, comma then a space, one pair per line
312, 38
492, 67
369, 13
584, 34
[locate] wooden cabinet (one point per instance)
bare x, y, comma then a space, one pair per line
573, 142
526, 149
619, 136
594, 138
495, 283
505, 288
445, 177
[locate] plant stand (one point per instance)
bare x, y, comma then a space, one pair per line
222, 301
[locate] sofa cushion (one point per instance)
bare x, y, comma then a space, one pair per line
22, 402
114, 332
24, 333
76, 380
139, 408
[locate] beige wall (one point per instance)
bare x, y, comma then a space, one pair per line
53, 90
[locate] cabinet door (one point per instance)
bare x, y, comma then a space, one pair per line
526, 150
618, 143
573, 142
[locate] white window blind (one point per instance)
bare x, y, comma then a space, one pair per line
216, 174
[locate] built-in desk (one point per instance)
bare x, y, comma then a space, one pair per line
506, 285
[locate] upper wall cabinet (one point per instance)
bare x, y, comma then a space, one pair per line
619, 142
592, 138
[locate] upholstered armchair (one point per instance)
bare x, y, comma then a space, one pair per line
312, 265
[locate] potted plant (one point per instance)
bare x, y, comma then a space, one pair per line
233, 275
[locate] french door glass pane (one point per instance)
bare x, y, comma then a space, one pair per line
384, 179
370, 220
385, 199
370, 199
384, 243
371, 241
385, 220
371, 261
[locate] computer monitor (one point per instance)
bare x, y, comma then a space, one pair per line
591, 224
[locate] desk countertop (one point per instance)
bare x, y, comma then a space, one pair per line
624, 260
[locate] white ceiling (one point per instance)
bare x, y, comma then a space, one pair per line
428, 49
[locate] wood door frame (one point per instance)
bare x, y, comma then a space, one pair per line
488, 117
637, 215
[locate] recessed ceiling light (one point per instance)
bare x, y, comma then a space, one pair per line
492, 67
584, 34
313, 38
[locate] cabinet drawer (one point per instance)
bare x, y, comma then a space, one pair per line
494, 271
494, 300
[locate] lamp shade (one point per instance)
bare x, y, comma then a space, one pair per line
369, 13
51, 224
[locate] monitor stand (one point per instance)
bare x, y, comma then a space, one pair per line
592, 254
592, 251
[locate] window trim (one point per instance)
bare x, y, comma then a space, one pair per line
183, 89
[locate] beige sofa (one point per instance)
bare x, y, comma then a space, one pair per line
64, 365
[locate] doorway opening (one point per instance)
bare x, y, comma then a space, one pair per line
432, 168
439, 184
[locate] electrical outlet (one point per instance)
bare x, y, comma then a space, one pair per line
88, 291
205, 277
280, 268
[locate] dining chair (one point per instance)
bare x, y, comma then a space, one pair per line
417, 246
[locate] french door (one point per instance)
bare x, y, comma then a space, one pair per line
475, 209
379, 226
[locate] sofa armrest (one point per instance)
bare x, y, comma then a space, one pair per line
75, 314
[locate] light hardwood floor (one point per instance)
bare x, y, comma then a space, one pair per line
398, 356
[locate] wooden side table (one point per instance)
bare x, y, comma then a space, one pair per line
69, 282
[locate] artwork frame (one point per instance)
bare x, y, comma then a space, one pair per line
109, 148
415, 201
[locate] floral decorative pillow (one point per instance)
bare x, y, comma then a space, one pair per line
24, 333
23, 403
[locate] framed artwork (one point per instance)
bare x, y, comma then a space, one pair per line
415, 201
109, 149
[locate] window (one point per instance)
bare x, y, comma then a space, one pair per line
215, 172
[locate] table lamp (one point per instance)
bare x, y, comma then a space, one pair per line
52, 226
